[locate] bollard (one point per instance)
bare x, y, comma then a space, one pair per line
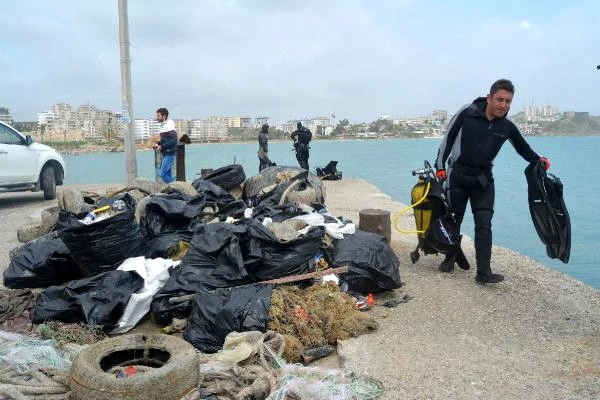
375, 221
180, 162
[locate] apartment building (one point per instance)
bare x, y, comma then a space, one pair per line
208, 130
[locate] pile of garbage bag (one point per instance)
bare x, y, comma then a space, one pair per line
113, 261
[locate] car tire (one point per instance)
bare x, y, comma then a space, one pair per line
172, 369
227, 177
48, 177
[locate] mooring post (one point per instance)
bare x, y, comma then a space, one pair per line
375, 221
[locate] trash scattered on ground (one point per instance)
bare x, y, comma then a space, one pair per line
316, 353
316, 383
15, 306
70, 333
316, 316
23, 353
236, 253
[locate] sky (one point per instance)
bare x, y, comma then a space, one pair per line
291, 59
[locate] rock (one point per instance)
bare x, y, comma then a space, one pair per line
140, 208
137, 195
180, 187
29, 231
237, 192
71, 200
49, 218
147, 186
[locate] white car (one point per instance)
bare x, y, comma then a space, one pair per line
25, 165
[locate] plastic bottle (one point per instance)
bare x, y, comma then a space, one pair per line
119, 206
88, 219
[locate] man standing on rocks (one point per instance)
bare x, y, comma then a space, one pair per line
302, 137
473, 139
167, 145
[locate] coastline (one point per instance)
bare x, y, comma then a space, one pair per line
111, 147
536, 335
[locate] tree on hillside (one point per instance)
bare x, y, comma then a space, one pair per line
341, 127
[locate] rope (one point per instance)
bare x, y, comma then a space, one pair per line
47, 384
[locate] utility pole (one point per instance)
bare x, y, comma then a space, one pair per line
126, 98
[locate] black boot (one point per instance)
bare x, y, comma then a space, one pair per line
448, 264
488, 278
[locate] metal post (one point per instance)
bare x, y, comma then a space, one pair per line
126, 97
180, 162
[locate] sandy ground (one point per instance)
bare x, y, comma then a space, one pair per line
534, 336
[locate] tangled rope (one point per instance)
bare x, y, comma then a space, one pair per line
43, 383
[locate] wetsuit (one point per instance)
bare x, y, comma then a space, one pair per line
302, 137
263, 150
470, 145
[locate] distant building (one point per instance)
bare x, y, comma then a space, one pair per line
234, 122
90, 121
141, 129
208, 130
259, 121
577, 115
540, 113
5, 115
245, 122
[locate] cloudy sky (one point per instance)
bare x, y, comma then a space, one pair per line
290, 59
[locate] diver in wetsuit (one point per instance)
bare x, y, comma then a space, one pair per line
473, 139
302, 137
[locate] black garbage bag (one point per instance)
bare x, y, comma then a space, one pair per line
172, 213
212, 193
279, 259
40, 263
105, 244
97, 300
373, 265
216, 313
163, 246
225, 255
217, 258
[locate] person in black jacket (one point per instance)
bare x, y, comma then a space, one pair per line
302, 137
473, 139
167, 145
263, 148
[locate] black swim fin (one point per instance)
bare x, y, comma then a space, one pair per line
548, 211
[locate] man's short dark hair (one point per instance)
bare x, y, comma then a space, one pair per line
502, 84
299, 125
163, 111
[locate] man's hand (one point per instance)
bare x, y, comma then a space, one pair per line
546, 163
441, 174
156, 146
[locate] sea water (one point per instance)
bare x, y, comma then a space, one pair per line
388, 165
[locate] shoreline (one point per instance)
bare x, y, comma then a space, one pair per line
142, 146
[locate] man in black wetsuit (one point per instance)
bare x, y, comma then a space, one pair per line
302, 137
263, 148
473, 139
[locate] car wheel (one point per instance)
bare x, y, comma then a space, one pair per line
49, 183
168, 368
